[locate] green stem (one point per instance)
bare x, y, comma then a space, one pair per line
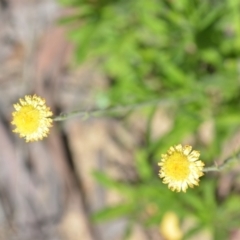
97, 113
157, 102
226, 162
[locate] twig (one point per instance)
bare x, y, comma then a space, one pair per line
101, 112
226, 162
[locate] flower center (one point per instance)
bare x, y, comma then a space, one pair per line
177, 166
27, 120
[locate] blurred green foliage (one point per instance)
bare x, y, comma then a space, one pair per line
168, 49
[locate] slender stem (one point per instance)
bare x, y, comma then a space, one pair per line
211, 169
97, 113
226, 162
101, 112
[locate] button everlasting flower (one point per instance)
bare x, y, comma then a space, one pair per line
181, 168
32, 118
170, 227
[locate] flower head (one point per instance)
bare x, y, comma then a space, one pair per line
32, 118
181, 168
170, 227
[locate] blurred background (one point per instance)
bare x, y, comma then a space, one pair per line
97, 179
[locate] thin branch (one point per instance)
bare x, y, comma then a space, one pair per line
157, 102
102, 112
226, 163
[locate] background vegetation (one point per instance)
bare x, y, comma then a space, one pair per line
186, 52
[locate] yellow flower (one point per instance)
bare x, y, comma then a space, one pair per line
170, 227
181, 168
32, 118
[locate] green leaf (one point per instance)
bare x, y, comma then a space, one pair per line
143, 166
113, 212
110, 183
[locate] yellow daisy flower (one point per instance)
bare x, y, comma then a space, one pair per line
32, 118
170, 227
181, 168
